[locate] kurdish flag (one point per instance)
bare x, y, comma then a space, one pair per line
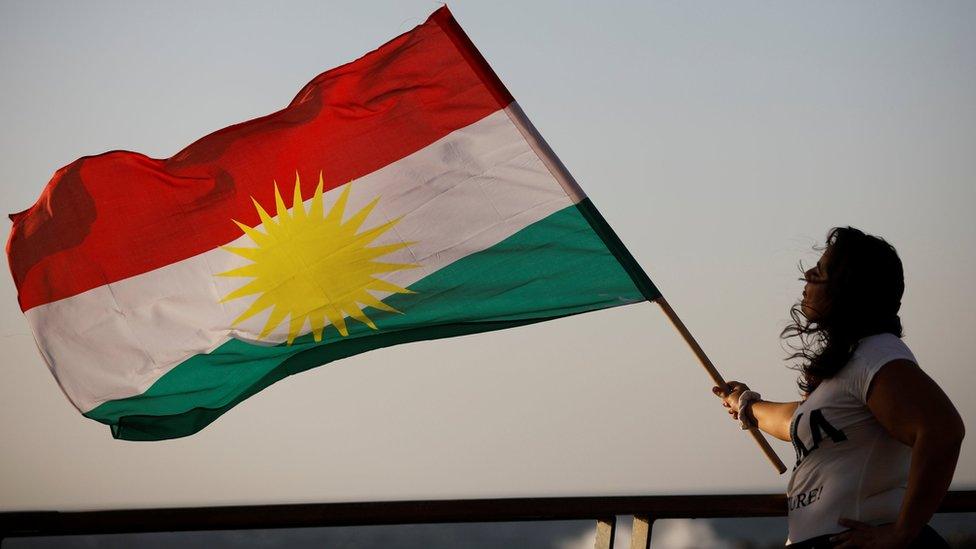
401, 197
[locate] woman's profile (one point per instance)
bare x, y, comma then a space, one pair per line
876, 439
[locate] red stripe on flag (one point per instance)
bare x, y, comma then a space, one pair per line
471, 54
119, 214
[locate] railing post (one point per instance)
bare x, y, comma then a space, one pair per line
605, 530
640, 538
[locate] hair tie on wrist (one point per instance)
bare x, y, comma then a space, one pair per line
746, 421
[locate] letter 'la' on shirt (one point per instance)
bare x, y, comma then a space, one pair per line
847, 465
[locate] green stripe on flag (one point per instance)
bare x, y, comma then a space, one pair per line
610, 238
556, 267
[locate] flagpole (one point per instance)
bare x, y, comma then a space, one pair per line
572, 189
717, 378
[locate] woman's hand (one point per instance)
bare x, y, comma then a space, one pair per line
730, 396
865, 536
772, 417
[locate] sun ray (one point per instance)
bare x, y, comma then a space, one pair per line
295, 327
316, 211
371, 301
356, 221
379, 267
336, 319
374, 233
278, 313
352, 308
265, 218
297, 206
339, 208
381, 285
256, 307
312, 269
379, 251
246, 270
318, 324
246, 253
252, 287
281, 209
257, 236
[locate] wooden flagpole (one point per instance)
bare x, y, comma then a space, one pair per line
565, 179
717, 378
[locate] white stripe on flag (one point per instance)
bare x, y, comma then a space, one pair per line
462, 194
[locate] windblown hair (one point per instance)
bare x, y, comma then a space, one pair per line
864, 286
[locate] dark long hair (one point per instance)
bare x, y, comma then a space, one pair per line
864, 286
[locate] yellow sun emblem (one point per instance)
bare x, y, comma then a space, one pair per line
312, 265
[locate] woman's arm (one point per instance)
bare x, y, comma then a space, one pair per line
772, 417
917, 413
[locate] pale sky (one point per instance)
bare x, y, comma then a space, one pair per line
721, 140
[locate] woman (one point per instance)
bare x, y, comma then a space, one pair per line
876, 439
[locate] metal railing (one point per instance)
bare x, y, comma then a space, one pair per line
604, 510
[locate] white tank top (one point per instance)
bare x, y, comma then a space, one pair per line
847, 465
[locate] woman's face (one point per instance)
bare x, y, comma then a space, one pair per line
815, 302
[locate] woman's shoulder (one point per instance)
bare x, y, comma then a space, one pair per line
871, 354
876, 347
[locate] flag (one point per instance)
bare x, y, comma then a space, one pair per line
403, 196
